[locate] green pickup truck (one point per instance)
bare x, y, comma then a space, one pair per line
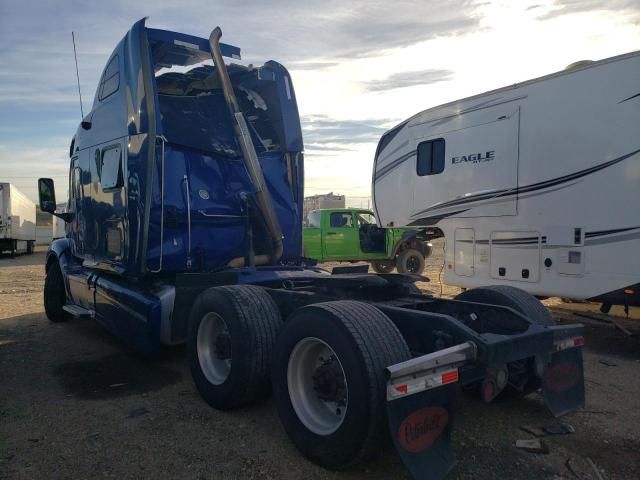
351, 235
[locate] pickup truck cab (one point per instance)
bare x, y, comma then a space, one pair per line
352, 235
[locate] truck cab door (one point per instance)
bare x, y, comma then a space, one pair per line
372, 239
341, 241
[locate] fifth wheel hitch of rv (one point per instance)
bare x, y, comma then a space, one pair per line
191, 233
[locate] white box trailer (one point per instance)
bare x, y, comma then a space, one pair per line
535, 185
44, 227
17, 221
59, 225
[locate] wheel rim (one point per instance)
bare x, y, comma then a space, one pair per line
413, 264
214, 348
317, 386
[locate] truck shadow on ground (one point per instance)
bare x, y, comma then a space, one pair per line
115, 375
122, 372
94, 365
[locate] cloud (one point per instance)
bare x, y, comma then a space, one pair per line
323, 130
310, 65
566, 7
409, 79
317, 35
324, 29
322, 147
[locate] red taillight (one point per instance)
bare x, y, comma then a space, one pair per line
449, 377
578, 342
402, 388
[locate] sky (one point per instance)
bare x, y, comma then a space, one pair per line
358, 67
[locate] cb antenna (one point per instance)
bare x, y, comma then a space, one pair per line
75, 55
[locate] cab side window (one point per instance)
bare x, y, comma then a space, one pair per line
110, 170
75, 180
341, 219
366, 219
313, 219
110, 81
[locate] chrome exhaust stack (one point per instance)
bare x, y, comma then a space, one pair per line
249, 155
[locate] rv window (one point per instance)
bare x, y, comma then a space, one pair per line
111, 170
110, 79
430, 157
341, 219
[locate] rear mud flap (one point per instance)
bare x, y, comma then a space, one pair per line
420, 426
563, 381
420, 395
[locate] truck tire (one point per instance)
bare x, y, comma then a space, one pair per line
512, 297
530, 307
232, 331
329, 380
410, 261
383, 266
55, 296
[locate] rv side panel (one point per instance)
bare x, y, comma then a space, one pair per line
551, 200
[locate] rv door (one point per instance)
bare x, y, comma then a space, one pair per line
467, 172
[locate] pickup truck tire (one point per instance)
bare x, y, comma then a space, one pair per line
329, 381
232, 332
383, 266
507, 296
55, 296
410, 261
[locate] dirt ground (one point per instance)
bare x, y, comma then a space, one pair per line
75, 403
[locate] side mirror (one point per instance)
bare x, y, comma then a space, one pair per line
46, 195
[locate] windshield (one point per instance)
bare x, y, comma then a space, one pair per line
193, 109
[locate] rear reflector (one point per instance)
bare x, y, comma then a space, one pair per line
569, 343
420, 383
450, 377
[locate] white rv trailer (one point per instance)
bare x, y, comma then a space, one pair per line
535, 185
17, 221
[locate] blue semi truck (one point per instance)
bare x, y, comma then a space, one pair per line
184, 224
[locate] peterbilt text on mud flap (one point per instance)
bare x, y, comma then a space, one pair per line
186, 192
